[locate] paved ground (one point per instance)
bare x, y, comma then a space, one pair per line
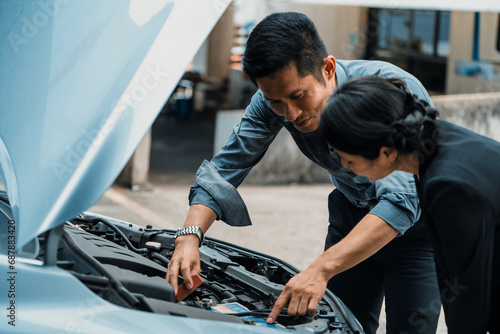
289, 222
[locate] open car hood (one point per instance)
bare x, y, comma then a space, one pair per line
82, 82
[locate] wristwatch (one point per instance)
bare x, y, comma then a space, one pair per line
196, 230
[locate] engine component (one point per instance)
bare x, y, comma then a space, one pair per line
238, 285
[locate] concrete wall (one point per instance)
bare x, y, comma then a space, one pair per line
285, 164
477, 112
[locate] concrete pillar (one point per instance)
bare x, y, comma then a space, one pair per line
135, 173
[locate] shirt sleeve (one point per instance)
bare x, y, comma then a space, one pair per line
216, 181
416, 88
398, 203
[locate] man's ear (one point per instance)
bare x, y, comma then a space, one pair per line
330, 65
388, 154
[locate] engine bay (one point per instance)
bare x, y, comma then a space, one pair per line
126, 264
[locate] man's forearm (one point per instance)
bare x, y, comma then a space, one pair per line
200, 215
366, 238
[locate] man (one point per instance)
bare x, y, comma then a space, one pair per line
288, 62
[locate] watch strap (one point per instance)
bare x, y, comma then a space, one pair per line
196, 230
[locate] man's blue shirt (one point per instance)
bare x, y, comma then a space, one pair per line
394, 198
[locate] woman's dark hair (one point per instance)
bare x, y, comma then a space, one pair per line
368, 113
280, 39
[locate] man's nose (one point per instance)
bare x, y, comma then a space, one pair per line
292, 112
344, 163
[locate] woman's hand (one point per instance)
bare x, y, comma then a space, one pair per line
302, 293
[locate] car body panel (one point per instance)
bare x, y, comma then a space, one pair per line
43, 306
43, 298
82, 82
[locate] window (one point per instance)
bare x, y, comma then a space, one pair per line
414, 31
415, 40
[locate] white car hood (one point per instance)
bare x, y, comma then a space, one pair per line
81, 83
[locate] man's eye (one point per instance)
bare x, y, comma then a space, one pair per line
297, 97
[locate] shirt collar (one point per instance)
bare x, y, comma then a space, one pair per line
340, 75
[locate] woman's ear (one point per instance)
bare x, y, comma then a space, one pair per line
388, 154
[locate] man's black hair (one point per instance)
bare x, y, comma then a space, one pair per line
280, 39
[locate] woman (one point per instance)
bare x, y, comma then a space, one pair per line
376, 126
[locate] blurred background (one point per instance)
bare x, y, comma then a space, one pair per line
453, 51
